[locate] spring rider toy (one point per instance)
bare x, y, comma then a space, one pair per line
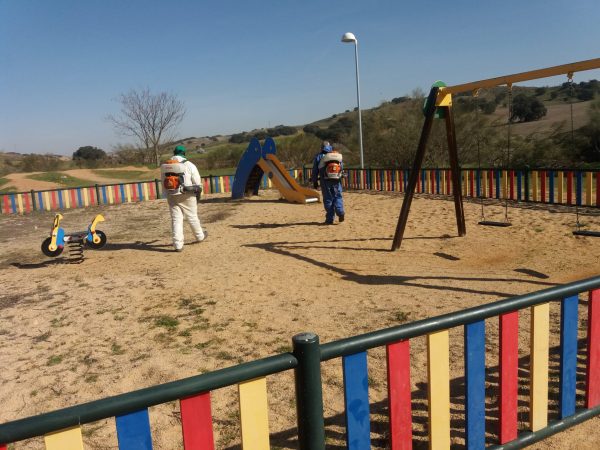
55, 244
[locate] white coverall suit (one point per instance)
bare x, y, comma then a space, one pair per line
185, 205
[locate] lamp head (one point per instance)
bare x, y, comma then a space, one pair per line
348, 37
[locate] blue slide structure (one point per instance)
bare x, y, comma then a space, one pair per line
257, 161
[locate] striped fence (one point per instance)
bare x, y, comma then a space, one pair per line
81, 197
110, 194
62, 429
564, 187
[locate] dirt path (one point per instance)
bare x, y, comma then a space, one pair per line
21, 182
136, 314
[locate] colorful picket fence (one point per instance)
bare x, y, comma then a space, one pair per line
57, 199
112, 194
565, 187
62, 428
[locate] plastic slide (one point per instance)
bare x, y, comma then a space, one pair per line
287, 186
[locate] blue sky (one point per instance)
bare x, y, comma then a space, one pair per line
240, 65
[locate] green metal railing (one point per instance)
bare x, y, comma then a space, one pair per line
306, 359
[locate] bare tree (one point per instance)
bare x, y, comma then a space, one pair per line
150, 118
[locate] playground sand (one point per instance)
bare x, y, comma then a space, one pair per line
136, 314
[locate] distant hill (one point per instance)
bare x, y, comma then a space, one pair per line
558, 101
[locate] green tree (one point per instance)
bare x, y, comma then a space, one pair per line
527, 109
589, 149
89, 153
299, 150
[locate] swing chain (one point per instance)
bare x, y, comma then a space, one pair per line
571, 97
478, 138
510, 113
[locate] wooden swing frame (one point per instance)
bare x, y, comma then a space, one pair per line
439, 102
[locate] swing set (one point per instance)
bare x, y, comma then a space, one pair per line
439, 106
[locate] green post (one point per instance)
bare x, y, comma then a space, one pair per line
97, 195
309, 392
33, 204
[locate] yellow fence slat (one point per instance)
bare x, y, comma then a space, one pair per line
484, 185
588, 188
540, 331
47, 201
20, 203
561, 187
438, 367
67, 439
534, 185
254, 415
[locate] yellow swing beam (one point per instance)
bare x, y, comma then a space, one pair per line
508, 80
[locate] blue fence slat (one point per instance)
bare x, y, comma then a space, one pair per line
79, 199
568, 355
551, 187
356, 399
104, 200
123, 197
140, 192
475, 384
13, 203
519, 177
41, 205
133, 431
478, 183
437, 181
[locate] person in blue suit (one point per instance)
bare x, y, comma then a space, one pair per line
328, 170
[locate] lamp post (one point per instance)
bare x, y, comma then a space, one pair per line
349, 37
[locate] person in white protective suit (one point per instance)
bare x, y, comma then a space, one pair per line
182, 182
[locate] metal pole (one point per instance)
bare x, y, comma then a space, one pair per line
309, 392
360, 138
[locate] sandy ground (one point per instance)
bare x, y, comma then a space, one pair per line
136, 314
21, 182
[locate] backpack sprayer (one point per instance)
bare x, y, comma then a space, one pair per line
55, 244
172, 175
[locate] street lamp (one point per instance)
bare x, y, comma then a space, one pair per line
349, 37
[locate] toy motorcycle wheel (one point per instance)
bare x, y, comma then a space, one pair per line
46, 249
100, 244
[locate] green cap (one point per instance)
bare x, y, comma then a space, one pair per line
179, 150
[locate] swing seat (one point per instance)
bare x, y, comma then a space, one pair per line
587, 233
491, 223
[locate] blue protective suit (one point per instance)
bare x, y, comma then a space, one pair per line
331, 189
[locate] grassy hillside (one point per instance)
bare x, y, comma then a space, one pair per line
392, 124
